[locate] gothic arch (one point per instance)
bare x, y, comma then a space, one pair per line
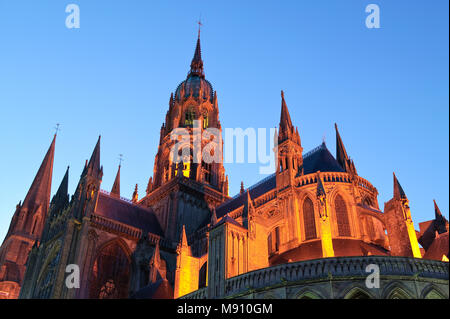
397, 290
368, 201
111, 271
358, 293
46, 276
54, 251
432, 292
308, 294
202, 275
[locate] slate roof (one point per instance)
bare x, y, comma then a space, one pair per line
319, 159
128, 213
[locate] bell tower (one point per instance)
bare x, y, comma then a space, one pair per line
189, 156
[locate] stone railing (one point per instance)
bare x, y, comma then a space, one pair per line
328, 268
361, 182
202, 293
326, 177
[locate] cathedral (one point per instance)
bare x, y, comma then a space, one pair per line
309, 230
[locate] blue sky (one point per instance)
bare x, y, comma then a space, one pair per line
386, 88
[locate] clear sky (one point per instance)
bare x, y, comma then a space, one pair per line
386, 88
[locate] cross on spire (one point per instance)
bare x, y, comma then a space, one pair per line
199, 26
120, 159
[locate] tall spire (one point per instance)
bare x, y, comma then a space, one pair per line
63, 189
93, 166
197, 62
115, 191
287, 130
39, 192
398, 190
341, 154
285, 118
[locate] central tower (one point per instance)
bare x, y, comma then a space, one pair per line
185, 187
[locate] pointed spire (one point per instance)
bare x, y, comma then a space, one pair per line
93, 166
183, 241
320, 193
242, 190
135, 195
440, 222
63, 189
115, 191
285, 118
437, 211
197, 62
398, 190
248, 206
39, 192
341, 153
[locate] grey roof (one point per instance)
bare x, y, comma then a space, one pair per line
319, 159
128, 213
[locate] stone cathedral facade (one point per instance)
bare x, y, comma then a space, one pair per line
309, 230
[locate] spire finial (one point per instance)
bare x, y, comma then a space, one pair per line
197, 62
120, 159
200, 24
115, 191
57, 129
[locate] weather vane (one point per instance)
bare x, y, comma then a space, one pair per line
120, 159
199, 25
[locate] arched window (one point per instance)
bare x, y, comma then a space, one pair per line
207, 172
189, 117
202, 275
110, 273
342, 216
367, 202
309, 221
